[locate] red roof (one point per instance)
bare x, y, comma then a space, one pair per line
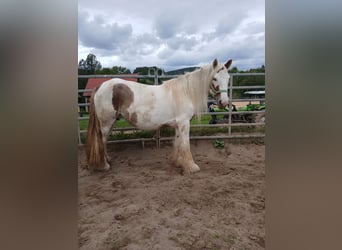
95, 82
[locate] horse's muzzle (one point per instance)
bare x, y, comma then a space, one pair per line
222, 104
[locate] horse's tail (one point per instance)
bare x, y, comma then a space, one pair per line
95, 147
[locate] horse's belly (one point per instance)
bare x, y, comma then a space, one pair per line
153, 109
154, 121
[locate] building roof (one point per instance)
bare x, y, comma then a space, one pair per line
255, 92
95, 82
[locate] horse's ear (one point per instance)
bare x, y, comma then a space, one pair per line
215, 63
228, 63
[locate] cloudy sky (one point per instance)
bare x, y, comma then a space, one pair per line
172, 34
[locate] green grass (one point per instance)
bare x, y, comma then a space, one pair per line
204, 120
122, 123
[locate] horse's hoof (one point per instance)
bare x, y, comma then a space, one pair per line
195, 168
106, 168
191, 170
176, 164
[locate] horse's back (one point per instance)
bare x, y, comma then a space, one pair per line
144, 106
108, 88
134, 86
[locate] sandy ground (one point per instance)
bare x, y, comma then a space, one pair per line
145, 203
243, 104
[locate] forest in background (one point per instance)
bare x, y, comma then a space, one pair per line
91, 66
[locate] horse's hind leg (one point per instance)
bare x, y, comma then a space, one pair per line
183, 156
106, 128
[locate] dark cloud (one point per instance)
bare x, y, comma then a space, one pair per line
182, 43
97, 34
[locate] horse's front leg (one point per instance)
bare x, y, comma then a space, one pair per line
176, 146
183, 156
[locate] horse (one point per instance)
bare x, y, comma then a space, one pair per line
149, 107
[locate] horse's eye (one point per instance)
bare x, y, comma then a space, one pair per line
214, 79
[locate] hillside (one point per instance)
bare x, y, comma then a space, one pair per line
181, 71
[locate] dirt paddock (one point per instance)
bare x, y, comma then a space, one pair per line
144, 202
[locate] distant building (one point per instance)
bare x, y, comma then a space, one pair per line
95, 82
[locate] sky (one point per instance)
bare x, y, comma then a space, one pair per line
172, 34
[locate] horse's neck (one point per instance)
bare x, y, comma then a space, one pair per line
191, 84
200, 80
196, 87
204, 75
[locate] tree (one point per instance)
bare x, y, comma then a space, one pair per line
233, 70
115, 70
248, 80
90, 64
87, 67
120, 70
141, 70
104, 71
146, 71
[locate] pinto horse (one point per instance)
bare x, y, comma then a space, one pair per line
147, 107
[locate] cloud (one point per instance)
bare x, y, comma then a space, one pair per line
98, 34
230, 22
182, 43
173, 22
173, 34
145, 44
166, 25
254, 27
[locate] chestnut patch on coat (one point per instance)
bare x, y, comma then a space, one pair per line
133, 119
122, 97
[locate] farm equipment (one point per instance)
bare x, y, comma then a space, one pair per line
240, 117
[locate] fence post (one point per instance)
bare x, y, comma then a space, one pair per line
155, 73
79, 132
230, 87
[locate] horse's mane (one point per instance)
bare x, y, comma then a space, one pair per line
195, 86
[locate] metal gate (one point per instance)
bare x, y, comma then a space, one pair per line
228, 127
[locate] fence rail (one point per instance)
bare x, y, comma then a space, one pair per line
157, 138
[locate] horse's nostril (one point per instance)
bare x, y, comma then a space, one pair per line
222, 104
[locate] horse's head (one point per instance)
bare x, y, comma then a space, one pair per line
219, 82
